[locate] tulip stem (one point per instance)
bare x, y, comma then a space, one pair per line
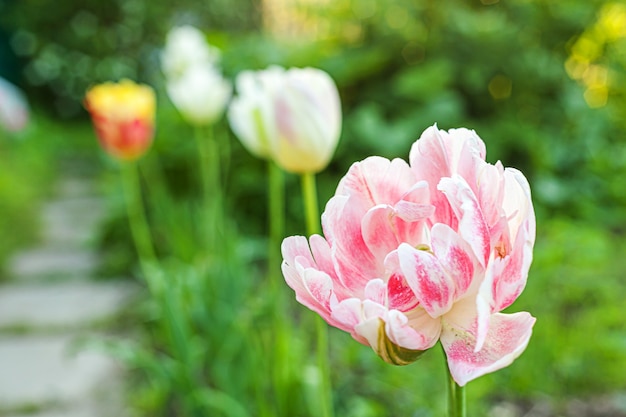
311, 210
136, 215
276, 210
456, 395
276, 219
209, 155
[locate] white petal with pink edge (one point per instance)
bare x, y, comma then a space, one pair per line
432, 286
507, 338
456, 257
472, 226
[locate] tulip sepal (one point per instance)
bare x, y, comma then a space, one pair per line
392, 353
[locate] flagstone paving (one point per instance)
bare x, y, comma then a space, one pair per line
50, 306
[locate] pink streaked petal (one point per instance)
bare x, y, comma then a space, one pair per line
323, 259
419, 193
320, 288
295, 246
313, 288
412, 212
455, 255
424, 324
490, 192
433, 288
428, 154
376, 291
507, 338
517, 203
377, 180
335, 214
297, 257
347, 315
320, 250
472, 226
429, 161
410, 335
464, 141
353, 262
399, 295
466, 154
378, 231
511, 272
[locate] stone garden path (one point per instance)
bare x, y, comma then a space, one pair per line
50, 306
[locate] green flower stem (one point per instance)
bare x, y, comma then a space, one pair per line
311, 210
210, 170
277, 230
276, 221
152, 274
456, 395
136, 215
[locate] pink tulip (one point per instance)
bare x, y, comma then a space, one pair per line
421, 253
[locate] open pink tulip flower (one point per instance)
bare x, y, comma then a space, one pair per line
417, 253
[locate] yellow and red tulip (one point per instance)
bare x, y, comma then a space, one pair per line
123, 117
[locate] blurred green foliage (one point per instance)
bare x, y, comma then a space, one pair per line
499, 67
67, 46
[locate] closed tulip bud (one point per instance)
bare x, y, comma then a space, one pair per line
185, 48
291, 116
200, 94
123, 117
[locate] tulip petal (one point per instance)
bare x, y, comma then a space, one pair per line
455, 255
507, 338
517, 204
429, 161
400, 343
399, 295
360, 318
321, 253
360, 241
313, 288
511, 272
378, 181
472, 226
379, 234
415, 329
354, 264
347, 315
490, 194
376, 291
433, 288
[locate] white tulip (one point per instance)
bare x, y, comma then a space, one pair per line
200, 94
186, 47
291, 116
